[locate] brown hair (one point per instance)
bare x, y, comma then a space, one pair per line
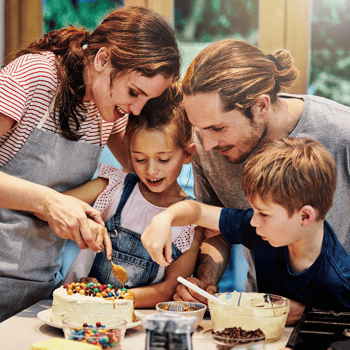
137, 38
164, 113
292, 173
239, 73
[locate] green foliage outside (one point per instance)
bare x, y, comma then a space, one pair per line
80, 13
330, 50
207, 21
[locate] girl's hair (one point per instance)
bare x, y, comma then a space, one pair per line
138, 39
164, 113
292, 173
239, 73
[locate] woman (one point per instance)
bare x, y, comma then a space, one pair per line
61, 100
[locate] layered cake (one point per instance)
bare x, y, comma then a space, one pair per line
92, 299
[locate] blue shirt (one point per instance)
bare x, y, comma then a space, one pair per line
325, 285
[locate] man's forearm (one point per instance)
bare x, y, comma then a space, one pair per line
213, 258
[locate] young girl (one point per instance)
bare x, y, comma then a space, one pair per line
160, 142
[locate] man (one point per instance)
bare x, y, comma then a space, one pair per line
231, 97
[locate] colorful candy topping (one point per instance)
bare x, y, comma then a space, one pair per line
98, 290
105, 338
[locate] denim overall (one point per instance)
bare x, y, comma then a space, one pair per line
30, 253
128, 250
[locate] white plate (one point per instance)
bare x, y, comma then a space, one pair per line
45, 316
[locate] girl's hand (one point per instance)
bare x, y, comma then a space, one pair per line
68, 218
88, 280
157, 239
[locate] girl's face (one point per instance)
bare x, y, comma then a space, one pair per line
157, 160
128, 93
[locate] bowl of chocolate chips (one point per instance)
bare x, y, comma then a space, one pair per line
237, 338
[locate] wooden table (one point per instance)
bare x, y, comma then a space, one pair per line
24, 329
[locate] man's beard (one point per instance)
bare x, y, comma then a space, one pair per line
252, 144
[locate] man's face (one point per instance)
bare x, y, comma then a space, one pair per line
230, 133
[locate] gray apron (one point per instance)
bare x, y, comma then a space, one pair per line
30, 253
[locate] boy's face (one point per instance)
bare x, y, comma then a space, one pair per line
273, 224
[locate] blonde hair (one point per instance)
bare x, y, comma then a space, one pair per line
239, 73
292, 172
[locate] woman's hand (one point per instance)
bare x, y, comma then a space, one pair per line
101, 237
68, 218
157, 239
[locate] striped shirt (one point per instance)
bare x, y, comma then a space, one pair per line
27, 87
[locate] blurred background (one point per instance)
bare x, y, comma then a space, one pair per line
314, 31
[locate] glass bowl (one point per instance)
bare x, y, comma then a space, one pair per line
251, 311
89, 329
183, 308
227, 343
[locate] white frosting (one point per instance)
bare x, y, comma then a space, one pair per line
64, 305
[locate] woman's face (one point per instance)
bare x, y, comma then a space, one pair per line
127, 94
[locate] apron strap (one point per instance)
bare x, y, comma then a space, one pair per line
130, 181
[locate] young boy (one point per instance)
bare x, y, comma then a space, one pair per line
290, 186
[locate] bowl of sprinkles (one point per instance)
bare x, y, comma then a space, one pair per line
88, 329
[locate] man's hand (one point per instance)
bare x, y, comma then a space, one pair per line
185, 294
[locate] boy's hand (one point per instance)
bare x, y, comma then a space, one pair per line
157, 240
101, 237
295, 312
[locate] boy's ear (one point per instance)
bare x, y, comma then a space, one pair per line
308, 215
189, 153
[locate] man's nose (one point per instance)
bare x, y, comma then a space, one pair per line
208, 142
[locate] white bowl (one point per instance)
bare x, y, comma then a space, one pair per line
180, 308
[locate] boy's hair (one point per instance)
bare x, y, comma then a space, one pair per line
292, 172
165, 113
